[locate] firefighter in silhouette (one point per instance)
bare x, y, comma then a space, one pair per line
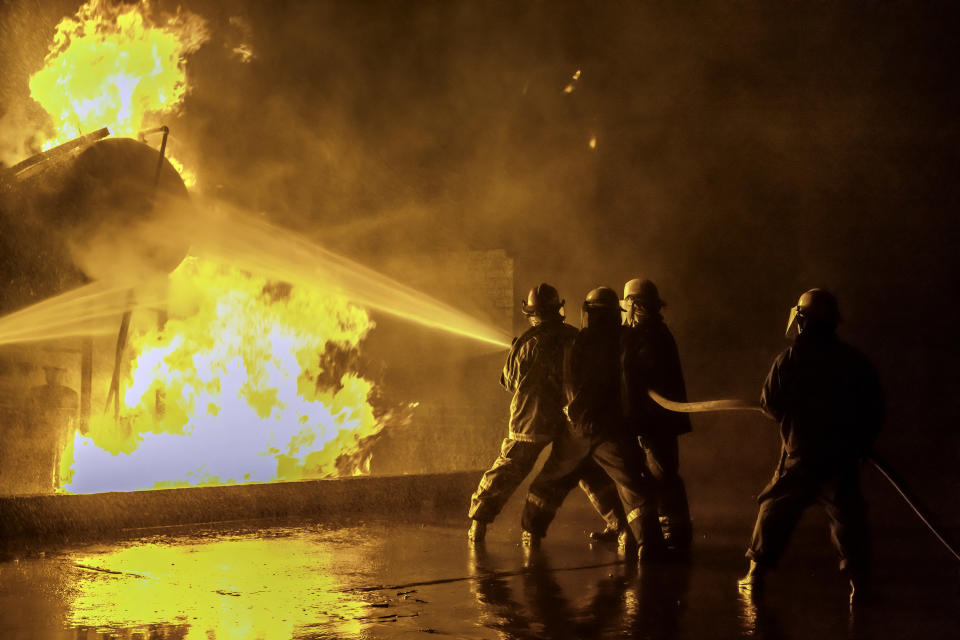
651, 361
533, 373
826, 396
597, 434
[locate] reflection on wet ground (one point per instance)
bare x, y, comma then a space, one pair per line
383, 579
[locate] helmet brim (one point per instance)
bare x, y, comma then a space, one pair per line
627, 302
532, 310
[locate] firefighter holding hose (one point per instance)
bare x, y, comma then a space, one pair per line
827, 399
596, 435
651, 361
533, 373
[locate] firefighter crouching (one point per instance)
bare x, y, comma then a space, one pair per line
533, 373
651, 361
596, 434
826, 396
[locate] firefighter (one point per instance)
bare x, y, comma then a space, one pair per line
826, 396
651, 361
533, 373
596, 434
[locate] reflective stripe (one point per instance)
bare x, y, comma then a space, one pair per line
633, 515
537, 500
590, 494
528, 437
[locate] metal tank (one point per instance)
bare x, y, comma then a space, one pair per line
82, 211
90, 209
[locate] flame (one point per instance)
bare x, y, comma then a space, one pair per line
250, 377
113, 66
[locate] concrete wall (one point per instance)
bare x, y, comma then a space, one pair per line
462, 413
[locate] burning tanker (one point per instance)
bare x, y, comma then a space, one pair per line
228, 378
216, 376
209, 347
67, 208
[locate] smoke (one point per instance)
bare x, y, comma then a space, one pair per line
740, 158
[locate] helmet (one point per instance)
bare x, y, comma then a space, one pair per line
601, 306
543, 299
644, 294
601, 298
818, 309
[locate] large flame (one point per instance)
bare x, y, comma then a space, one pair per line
113, 66
110, 66
245, 382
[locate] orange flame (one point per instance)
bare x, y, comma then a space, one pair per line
112, 66
247, 393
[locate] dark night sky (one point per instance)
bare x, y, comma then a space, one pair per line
745, 152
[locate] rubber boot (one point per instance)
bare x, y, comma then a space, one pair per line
753, 582
477, 532
627, 544
529, 540
678, 538
609, 534
651, 547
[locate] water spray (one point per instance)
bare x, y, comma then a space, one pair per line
260, 247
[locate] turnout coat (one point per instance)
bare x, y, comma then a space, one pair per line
533, 372
650, 360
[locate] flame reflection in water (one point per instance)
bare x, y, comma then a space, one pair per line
242, 587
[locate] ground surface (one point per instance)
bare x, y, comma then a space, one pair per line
419, 578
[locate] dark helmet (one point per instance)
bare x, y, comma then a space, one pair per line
601, 298
542, 300
601, 304
643, 293
816, 309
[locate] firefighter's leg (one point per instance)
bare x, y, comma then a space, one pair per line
782, 503
559, 475
623, 461
515, 461
663, 462
845, 507
602, 492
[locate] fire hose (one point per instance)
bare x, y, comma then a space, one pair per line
884, 469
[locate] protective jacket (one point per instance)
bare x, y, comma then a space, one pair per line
534, 373
651, 361
826, 396
592, 382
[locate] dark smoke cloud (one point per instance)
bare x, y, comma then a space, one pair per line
745, 152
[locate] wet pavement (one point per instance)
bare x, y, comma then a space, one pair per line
419, 578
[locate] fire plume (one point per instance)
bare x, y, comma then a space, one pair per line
112, 65
245, 382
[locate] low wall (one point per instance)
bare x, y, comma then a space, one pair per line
60, 517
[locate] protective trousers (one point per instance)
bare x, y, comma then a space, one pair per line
515, 462
620, 458
794, 487
663, 462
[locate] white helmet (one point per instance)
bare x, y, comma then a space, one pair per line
642, 293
